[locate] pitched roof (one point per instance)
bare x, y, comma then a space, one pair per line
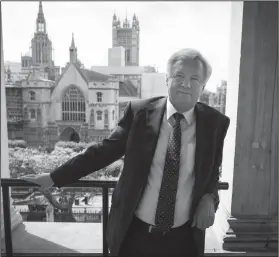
87, 75
93, 75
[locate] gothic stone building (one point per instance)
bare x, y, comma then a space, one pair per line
81, 106
45, 107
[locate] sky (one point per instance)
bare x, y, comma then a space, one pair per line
165, 27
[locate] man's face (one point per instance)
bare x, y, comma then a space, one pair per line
185, 84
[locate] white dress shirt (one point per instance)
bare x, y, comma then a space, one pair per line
146, 209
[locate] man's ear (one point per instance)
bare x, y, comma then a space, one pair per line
167, 80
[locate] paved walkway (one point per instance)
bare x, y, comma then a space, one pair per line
50, 237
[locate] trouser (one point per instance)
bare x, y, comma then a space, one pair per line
142, 240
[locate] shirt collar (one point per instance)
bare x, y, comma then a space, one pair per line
189, 115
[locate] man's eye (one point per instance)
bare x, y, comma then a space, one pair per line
195, 79
179, 76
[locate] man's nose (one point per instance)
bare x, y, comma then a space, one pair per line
186, 83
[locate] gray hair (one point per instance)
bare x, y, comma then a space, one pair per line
192, 54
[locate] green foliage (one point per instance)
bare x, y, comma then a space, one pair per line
17, 143
76, 147
112, 171
23, 161
46, 149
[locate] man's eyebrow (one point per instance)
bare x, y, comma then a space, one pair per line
178, 72
196, 75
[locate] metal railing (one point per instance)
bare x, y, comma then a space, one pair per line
104, 184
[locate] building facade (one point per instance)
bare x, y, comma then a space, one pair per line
135, 82
216, 99
44, 107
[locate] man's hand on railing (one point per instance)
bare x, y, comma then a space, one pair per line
43, 180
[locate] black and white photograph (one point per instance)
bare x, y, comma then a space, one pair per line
139, 128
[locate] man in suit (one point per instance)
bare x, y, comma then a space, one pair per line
167, 194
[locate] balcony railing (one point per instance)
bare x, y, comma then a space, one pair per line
104, 184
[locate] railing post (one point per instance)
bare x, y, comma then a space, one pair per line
7, 221
105, 220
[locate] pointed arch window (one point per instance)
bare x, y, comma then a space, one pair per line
32, 114
99, 115
99, 97
73, 105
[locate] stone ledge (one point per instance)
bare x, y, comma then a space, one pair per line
252, 234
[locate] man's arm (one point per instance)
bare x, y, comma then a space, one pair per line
213, 187
96, 156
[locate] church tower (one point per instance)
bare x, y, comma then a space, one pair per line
73, 51
127, 36
41, 44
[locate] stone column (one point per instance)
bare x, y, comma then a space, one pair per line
16, 218
221, 225
254, 207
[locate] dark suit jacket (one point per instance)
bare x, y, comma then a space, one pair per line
136, 137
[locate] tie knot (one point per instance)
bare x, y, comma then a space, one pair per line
178, 117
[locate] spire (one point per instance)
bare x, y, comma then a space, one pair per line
114, 20
41, 8
73, 51
126, 22
9, 73
41, 23
114, 16
73, 41
135, 23
40, 13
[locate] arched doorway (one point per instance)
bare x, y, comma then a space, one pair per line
69, 134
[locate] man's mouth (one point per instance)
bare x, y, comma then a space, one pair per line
183, 92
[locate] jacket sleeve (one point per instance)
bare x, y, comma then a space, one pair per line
96, 156
213, 187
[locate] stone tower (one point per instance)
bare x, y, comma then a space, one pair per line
127, 36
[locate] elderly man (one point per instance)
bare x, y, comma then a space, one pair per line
167, 194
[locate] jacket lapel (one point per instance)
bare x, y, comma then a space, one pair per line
154, 116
